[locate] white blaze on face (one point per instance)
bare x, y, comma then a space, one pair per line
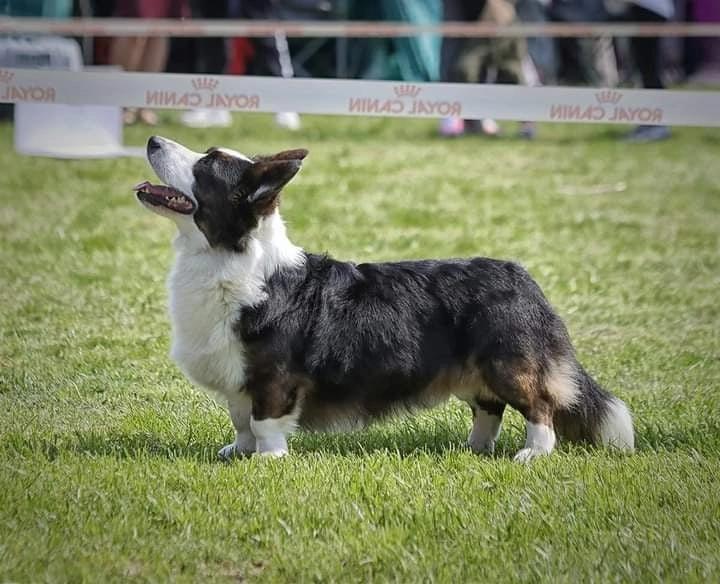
173, 163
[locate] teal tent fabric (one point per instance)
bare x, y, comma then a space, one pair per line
38, 8
410, 59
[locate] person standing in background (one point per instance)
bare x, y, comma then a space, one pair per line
646, 54
542, 50
473, 60
584, 61
144, 53
450, 54
272, 54
207, 56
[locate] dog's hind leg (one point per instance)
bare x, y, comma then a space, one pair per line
487, 421
521, 382
239, 407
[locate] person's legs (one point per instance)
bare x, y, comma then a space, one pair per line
507, 57
127, 53
647, 58
154, 59
209, 57
452, 54
143, 53
646, 50
456, 11
541, 50
272, 56
266, 60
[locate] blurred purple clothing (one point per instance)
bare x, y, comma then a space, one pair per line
708, 11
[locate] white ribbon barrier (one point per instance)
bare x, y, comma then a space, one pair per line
343, 28
360, 97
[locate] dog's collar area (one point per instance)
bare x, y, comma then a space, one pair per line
164, 196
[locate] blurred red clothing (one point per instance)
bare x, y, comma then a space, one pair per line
152, 8
241, 53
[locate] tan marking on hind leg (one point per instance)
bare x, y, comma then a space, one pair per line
520, 382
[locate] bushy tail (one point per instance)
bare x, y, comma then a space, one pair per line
595, 416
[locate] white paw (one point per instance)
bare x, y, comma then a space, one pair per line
527, 454
233, 451
274, 453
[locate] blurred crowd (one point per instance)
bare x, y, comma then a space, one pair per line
648, 62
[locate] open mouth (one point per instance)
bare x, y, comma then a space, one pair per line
164, 196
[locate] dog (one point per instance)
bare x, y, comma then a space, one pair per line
294, 339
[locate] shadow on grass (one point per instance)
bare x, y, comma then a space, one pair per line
713, 139
403, 441
596, 135
509, 135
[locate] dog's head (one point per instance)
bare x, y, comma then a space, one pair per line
222, 193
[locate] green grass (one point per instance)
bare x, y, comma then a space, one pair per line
107, 455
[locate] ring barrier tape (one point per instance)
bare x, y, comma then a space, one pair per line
362, 97
357, 29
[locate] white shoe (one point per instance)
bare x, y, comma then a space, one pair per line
288, 120
206, 118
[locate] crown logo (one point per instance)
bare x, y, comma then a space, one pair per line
407, 90
608, 96
205, 83
6, 76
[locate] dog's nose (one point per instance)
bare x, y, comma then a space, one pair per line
153, 144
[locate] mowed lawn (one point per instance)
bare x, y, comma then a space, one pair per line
108, 468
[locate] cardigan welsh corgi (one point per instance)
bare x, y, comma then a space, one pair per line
294, 339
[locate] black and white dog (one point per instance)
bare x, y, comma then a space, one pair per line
293, 339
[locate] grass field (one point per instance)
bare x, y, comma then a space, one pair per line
108, 466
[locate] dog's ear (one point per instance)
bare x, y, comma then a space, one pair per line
296, 154
266, 178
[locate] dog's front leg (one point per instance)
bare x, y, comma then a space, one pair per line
275, 412
240, 408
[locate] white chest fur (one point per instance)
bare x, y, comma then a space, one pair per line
207, 291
